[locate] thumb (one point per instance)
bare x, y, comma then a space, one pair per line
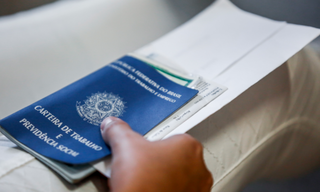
118, 134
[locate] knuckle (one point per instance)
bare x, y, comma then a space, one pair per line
193, 144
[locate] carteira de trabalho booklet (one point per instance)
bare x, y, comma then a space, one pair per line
63, 129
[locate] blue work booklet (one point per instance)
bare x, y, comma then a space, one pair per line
65, 126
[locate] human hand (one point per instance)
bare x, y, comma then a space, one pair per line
172, 165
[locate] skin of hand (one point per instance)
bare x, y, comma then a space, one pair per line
175, 164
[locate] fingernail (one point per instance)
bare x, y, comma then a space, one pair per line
106, 123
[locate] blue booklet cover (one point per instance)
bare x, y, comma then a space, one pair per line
65, 125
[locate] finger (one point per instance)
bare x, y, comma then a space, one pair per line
117, 133
193, 149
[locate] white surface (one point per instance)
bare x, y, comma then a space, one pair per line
12, 159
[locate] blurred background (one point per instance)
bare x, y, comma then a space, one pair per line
304, 12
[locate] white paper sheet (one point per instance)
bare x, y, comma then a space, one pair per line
230, 47
214, 40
